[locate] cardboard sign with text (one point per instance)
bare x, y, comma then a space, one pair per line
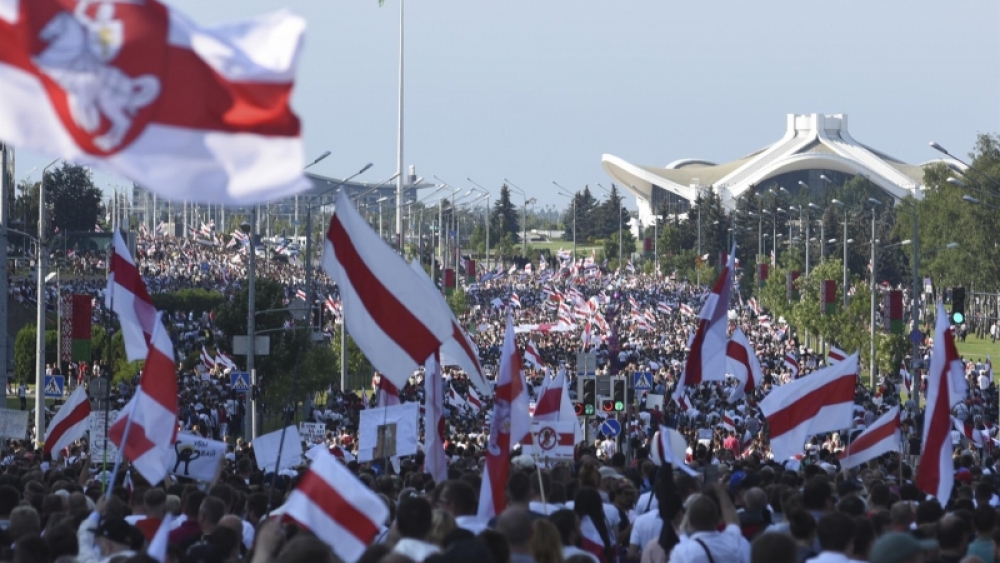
388, 432
313, 432
101, 449
197, 458
14, 424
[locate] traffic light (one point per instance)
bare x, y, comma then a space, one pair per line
589, 397
608, 405
578, 409
958, 305
619, 393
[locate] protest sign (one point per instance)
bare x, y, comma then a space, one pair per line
265, 450
654, 401
196, 458
14, 424
313, 432
101, 448
388, 432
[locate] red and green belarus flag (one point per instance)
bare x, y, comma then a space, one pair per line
81, 324
828, 297
895, 311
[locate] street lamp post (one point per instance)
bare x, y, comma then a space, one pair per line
488, 249
42, 245
572, 198
844, 206
250, 422
871, 350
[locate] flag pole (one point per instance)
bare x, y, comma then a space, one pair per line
128, 429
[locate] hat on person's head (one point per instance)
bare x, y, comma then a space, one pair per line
115, 529
896, 547
608, 473
735, 480
964, 475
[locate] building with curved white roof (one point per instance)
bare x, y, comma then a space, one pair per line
813, 145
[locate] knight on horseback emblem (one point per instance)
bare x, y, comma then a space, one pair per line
80, 51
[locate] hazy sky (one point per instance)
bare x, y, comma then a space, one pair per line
538, 90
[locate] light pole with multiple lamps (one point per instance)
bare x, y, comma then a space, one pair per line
42, 248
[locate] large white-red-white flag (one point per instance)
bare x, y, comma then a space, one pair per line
945, 388
822, 402
127, 295
151, 415
336, 506
742, 363
532, 355
707, 359
435, 460
395, 317
69, 424
138, 89
882, 437
549, 397
509, 425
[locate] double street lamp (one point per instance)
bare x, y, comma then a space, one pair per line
572, 197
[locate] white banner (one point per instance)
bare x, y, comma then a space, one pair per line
654, 401
313, 432
197, 458
14, 424
100, 448
388, 432
265, 450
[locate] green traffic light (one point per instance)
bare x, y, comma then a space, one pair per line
957, 318
619, 406
588, 410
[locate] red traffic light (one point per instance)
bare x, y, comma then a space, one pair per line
608, 406
578, 409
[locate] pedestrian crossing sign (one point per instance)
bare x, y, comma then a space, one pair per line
54, 385
642, 381
240, 381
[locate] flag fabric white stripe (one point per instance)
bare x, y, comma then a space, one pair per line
435, 460
337, 521
417, 307
736, 367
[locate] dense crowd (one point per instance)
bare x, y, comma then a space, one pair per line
614, 502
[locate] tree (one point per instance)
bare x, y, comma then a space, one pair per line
627, 248
24, 352
74, 198
611, 216
584, 205
504, 218
458, 301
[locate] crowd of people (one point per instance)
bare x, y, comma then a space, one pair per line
729, 500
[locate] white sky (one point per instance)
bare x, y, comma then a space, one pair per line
538, 90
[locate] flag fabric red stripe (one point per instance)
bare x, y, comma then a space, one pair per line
388, 312
839, 390
330, 501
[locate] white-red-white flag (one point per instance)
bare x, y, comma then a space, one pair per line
532, 354
835, 355
945, 388
393, 315
548, 403
336, 506
127, 295
474, 401
149, 444
792, 363
207, 359
707, 359
742, 363
69, 424
905, 374
435, 460
138, 89
386, 394
509, 425
882, 437
822, 402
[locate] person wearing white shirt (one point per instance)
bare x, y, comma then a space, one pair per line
706, 544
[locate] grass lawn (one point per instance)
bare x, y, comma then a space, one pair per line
978, 349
